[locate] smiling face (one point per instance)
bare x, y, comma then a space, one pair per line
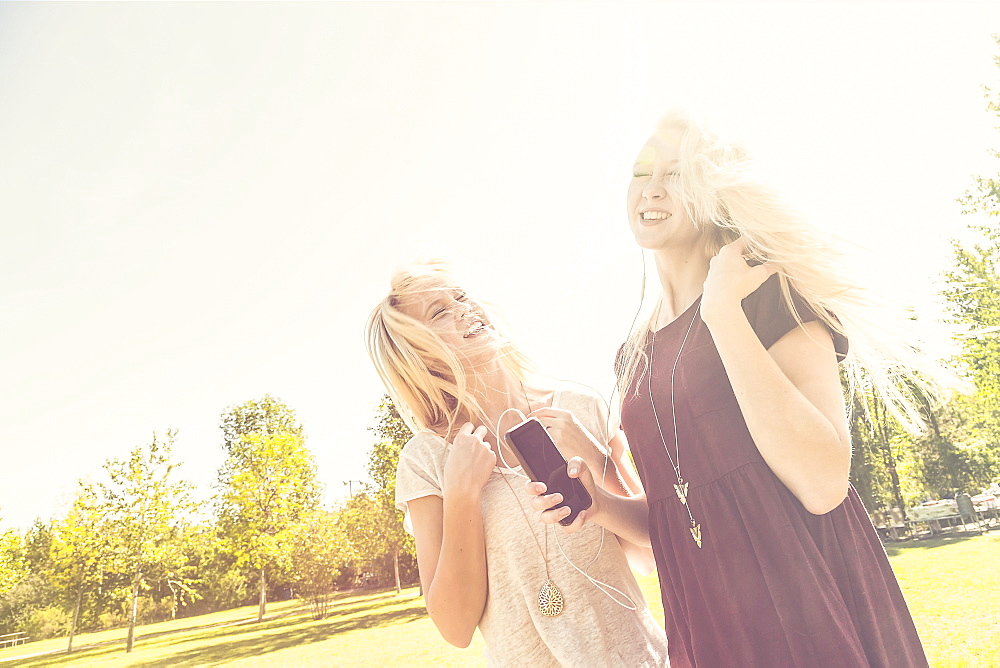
657, 219
451, 315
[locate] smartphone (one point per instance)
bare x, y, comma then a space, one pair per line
542, 461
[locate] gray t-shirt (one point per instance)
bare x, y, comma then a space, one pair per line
593, 630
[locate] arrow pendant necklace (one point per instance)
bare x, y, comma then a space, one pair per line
681, 488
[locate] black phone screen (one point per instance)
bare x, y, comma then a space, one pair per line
543, 462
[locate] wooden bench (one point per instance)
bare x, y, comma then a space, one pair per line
13, 639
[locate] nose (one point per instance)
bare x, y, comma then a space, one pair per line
654, 189
462, 308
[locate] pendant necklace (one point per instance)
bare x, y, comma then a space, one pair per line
681, 488
550, 599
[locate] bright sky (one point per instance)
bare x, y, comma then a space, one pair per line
201, 203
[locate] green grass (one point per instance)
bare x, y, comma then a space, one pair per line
950, 583
952, 586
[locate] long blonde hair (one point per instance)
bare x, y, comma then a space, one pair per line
726, 199
423, 376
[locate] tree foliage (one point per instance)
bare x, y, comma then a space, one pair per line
266, 416
79, 550
123, 552
320, 549
392, 540
12, 567
973, 298
143, 509
960, 450
268, 483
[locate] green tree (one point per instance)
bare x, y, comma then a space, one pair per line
78, 550
12, 567
319, 551
267, 482
265, 416
144, 509
973, 301
222, 584
32, 593
874, 463
393, 540
363, 520
13, 571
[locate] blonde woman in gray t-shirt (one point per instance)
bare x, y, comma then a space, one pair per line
538, 597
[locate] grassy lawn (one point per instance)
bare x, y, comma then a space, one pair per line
950, 583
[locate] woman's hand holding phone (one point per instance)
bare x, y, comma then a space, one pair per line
575, 468
570, 436
470, 463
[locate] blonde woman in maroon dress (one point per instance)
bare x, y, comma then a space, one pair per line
735, 416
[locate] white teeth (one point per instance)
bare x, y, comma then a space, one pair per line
655, 215
475, 329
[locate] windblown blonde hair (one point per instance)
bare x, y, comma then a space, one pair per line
723, 197
423, 376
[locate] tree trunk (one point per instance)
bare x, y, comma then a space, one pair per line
133, 613
890, 460
395, 564
76, 613
263, 596
897, 492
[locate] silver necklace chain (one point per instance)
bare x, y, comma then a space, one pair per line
681, 488
550, 598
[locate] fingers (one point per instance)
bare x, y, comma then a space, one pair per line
577, 523
468, 429
546, 501
556, 514
544, 504
577, 468
751, 258
738, 246
535, 487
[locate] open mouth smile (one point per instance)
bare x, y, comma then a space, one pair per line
655, 215
477, 327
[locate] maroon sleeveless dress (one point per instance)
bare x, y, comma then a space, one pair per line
772, 585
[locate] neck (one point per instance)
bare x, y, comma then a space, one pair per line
497, 389
682, 279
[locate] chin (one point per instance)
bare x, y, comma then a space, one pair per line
648, 243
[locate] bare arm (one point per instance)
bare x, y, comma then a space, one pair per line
639, 557
790, 395
451, 546
451, 557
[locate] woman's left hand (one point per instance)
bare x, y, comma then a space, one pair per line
730, 280
575, 468
571, 437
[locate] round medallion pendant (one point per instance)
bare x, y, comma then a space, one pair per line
550, 599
